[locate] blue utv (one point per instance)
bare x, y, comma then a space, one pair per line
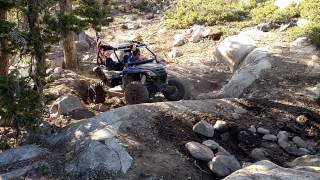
140, 79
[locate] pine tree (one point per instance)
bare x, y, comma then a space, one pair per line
4, 28
69, 47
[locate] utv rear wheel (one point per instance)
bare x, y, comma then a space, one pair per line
136, 93
175, 90
96, 94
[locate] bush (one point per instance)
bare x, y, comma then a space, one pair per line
311, 10
20, 105
311, 31
208, 12
268, 12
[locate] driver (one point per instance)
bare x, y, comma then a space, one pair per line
135, 55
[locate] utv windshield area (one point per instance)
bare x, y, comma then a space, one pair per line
132, 53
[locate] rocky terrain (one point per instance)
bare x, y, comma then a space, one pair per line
251, 111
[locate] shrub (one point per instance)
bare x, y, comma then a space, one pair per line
208, 12
268, 12
311, 31
311, 10
20, 105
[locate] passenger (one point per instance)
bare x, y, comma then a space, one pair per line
135, 55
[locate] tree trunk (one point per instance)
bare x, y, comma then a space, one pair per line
37, 43
4, 58
69, 47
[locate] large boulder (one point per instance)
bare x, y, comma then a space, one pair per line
66, 105
281, 4
234, 49
250, 70
96, 157
303, 46
22, 153
266, 170
82, 46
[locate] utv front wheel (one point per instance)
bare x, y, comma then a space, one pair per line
136, 93
175, 90
96, 94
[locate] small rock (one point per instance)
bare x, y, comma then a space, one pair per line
225, 136
283, 136
150, 16
196, 35
162, 31
175, 53
133, 26
302, 22
302, 120
49, 71
53, 77
269, 137
284, 144
206, 33
252, 129
315, 57
293, 150
222, 151
304, 150
179, 40
258, 154
132, 18
211, 144
204, 128
284, 27
199, 151
58, 70
220, 126
99, 107
265, 27
224, 165
263, 130
300, 142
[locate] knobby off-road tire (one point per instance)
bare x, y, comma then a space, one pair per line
136, 93
178, 93
96, 94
